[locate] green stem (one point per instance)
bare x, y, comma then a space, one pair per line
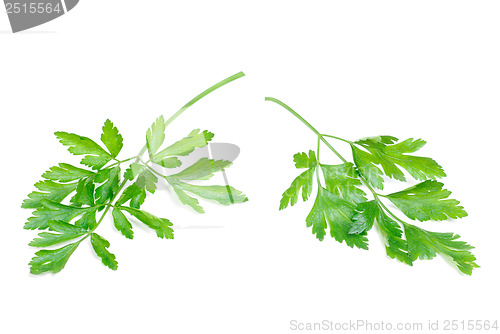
104, 213
170, 120
338, 138
318, 166
118, 162
320, 136
122, 161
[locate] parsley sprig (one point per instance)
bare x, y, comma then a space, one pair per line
119, 186
342, 205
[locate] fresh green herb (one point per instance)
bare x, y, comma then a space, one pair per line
108, 185
342, 206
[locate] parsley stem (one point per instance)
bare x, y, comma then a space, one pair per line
320, 136
203, 94
338, 138
104, 213
317, 167
118, 162
122, 161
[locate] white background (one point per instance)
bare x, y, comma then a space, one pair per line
423, 69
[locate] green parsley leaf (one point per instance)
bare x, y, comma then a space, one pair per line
100, 246
95, 156
225, 195
53, 211
203, 169
84, 192
122, 224
133, 170
155, 136
52, 260
342, 181
171, 162
186, 145
137, 201
365, 216
425, 245
187, 200
110, 179
66, 232
371, 212
160, 225
88, 221
378, 142
50, 190
66, 173
112, 138
147, 180
333, 211
302, 160
302, 182
366, 166
395, 246
427, 201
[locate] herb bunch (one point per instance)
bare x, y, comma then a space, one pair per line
343, 206
108, 184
